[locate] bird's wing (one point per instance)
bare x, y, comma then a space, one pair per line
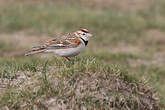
66, 41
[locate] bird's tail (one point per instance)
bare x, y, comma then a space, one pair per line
35, 50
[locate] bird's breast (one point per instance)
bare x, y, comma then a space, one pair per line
68, 52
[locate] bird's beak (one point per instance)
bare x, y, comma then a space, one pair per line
90, 35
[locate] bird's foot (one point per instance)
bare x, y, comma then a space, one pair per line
67, 58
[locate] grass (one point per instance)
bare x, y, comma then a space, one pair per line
5, 47
127, 49
81, 83
52, 20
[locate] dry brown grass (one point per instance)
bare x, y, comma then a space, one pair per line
21, 42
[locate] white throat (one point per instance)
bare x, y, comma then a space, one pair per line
85, 38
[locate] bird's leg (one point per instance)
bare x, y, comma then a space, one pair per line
67, 58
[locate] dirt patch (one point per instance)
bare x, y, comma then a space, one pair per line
126, 49
122, 48
21, 42
151, 46
155, 35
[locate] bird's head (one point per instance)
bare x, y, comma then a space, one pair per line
84, 34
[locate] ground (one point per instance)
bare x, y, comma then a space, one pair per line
122, 65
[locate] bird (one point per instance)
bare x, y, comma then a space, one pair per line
67, 45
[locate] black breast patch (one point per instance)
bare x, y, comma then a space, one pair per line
85, 42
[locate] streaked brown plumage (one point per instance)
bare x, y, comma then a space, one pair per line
67, 45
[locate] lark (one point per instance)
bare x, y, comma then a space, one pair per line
68, 45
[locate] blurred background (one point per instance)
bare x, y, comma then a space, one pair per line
128, 33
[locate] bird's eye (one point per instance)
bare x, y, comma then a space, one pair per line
83, 33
